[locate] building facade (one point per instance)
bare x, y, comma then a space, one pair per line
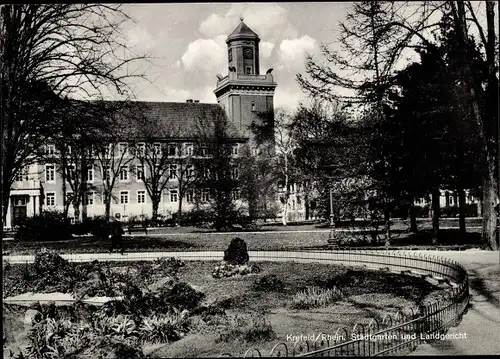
241, 96
40, 186
244, 93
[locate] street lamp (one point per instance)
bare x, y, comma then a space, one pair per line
332, 237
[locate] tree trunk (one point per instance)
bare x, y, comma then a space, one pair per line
306, 206
436, 209
480, 207
5, 201
107, 206
155, 209
287, 193
387, 223
285, 210
83, 186
65, 207
413, 217
461, 212
76, 209
489, 233
179, 210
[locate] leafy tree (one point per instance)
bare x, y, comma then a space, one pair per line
480, 95
364, 69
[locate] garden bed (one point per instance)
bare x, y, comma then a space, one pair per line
198, 315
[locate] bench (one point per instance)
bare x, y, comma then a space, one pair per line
137, 228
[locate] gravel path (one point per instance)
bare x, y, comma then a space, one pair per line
481, 324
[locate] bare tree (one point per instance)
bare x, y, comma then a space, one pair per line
185, 174
276, 136
112, 149
49, 52
156, 165
214, 163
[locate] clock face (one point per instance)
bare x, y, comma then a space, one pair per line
230, 55
247, 53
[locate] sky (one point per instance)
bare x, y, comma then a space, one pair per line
187, 49
185, 43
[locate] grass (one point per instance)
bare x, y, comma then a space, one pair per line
255, 241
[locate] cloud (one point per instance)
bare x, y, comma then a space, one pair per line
140, 37
175, 95
265, 19
292, 53
215, 25
288, 98
206, 95
205, 55
266, 48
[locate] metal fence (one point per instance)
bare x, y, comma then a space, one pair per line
393, 334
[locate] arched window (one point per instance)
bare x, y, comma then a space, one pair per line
253, 105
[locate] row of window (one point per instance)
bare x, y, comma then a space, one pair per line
124, 198
140, 150
124, 174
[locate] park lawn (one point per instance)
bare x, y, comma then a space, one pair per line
181, 242
279, 240
367, 294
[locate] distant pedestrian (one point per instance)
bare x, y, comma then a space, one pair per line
117, 233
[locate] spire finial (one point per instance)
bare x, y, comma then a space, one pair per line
241, 18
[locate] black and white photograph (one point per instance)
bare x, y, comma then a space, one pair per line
261, 179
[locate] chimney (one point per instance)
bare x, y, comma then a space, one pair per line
196, 101
189, 101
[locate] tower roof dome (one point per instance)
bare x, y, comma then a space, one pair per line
242, 31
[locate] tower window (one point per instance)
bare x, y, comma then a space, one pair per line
248, 70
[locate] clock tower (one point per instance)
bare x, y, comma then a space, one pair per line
244, 92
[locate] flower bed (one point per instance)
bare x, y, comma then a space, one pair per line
181, 308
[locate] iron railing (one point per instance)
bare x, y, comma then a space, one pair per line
393, 334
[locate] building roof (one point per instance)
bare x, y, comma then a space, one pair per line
242, 31
179, 119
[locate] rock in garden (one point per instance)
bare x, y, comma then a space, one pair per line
31, 317
237, 252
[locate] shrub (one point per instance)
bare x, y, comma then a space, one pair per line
49, 262
314, 297
164, 327
167, 267
251, 329
207, 313
97, 226
268, 283
182, 296
53, 338
197, 217
47, 226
